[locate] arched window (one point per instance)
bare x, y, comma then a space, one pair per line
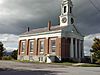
64, 9
72, 20
70, 9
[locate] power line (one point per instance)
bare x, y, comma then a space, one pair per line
94, 6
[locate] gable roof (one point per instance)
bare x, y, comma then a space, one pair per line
72, 28
45, 29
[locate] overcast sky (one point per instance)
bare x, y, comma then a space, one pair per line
17, 15
88, 42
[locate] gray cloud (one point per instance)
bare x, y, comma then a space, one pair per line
10, 41
88, 42
17, 15
88, 17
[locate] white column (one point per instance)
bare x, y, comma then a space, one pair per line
75, 48
71, 49
79, 50
82, 49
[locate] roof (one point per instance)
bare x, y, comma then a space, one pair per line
45, 29
68, 29
72, 28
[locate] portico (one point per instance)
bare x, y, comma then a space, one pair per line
76, 48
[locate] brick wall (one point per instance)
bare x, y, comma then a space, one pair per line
19, 48
65, 47
27, 47
58, 46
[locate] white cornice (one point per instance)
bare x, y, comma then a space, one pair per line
42, 33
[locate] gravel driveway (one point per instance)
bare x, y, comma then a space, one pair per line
17, 68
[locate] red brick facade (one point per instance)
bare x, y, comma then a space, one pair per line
19, 49
37, 46
65, 47
62, 47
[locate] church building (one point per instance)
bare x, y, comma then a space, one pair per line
53, 43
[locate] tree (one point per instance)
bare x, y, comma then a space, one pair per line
1, 50
96, 49
14, 54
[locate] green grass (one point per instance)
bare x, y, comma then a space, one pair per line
62, 63
89, 65
82, 65
24, 61
27, 61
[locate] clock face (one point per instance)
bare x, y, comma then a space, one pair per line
64, 20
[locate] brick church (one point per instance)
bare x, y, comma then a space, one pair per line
53, 43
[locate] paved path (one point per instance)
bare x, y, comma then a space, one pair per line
17, 68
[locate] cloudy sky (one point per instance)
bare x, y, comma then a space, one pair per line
17, 15
88, 42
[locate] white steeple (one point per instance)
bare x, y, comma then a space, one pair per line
66, 17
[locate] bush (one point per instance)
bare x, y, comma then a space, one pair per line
86, 59
7, 58
96, 50
14, 54
98, 61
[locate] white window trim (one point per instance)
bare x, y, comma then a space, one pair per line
30, 52
22, 46
22, 52
50, 45
31, 40
40, 46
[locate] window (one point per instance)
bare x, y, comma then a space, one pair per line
41, 59
31, 45
72, 20
42, 46
64, 9
53, 45
70, 9
23, 46
31, 58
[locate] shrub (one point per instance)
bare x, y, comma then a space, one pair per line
98, 61
96, 50
14, 54
7, 58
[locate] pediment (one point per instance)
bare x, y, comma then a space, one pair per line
71, 29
